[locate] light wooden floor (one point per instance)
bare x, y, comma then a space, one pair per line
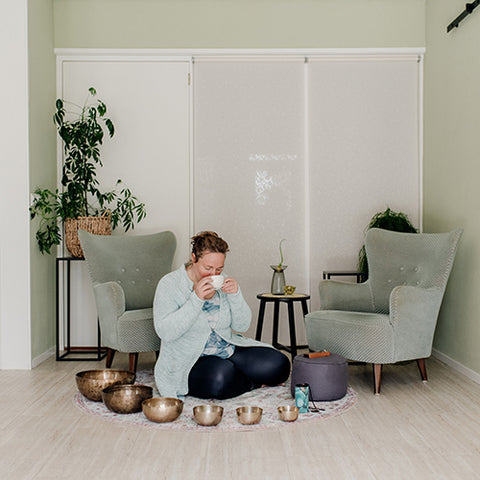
412, 431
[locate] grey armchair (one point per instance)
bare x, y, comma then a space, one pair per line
125, 271
392, 316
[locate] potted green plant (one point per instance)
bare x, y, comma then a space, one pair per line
80, 203
388, 220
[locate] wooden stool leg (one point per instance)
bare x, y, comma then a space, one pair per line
132, 361
377, 376
423, 368
110, 355
293, 338
261, 314
304, 308
276, 307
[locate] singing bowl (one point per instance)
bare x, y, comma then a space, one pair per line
91, 382
208, 415
249, 415
126, 398
162, 409
288, 413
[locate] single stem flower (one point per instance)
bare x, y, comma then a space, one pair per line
281, 253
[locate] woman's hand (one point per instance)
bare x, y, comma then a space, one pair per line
204, 289
230, 285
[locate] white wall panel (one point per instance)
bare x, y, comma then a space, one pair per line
249, 167
148, 102
364, 154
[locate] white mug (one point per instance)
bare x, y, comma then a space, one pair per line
217, 281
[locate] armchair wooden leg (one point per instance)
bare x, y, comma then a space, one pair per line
377, 377
110, 355
132, 361
423, 368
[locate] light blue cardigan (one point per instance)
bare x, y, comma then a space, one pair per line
183, 329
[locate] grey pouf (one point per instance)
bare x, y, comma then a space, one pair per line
327, 376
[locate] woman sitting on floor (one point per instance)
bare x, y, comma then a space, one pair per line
199, 353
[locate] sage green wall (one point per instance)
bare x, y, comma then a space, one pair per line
452, 168
239, 23
42, 165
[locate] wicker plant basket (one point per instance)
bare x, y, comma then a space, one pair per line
97, 225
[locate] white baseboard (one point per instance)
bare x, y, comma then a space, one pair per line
468, 372
42, 357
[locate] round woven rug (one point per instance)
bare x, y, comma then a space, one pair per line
268, 398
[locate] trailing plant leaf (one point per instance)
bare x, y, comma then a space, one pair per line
45, 206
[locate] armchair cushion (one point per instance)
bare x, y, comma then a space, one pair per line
360, 336
346, 296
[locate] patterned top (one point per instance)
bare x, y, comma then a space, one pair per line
215, 345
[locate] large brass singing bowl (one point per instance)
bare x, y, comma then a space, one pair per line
208, 415
91, 382
288, 413
162, 409
249, 415
126, 398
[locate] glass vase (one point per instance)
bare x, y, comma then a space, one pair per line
278, 279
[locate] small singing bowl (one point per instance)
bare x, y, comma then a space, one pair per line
249, 415
208, 415
288, 413
126, 398
289, 289
162, 409
91, 382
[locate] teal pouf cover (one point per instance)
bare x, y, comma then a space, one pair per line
327, 376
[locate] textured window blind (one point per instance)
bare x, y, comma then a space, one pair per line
363, 153
307, 153
249, 166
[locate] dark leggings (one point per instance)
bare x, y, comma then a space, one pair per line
246, 369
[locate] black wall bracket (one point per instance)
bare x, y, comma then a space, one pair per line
469, 8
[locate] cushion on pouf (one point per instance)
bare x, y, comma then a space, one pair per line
327, 376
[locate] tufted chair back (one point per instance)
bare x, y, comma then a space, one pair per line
135, 262
416, 259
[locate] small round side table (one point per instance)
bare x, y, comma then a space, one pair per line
289, 300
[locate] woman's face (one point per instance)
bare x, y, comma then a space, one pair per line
210, 263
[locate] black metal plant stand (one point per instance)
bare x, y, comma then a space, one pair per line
68, 349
